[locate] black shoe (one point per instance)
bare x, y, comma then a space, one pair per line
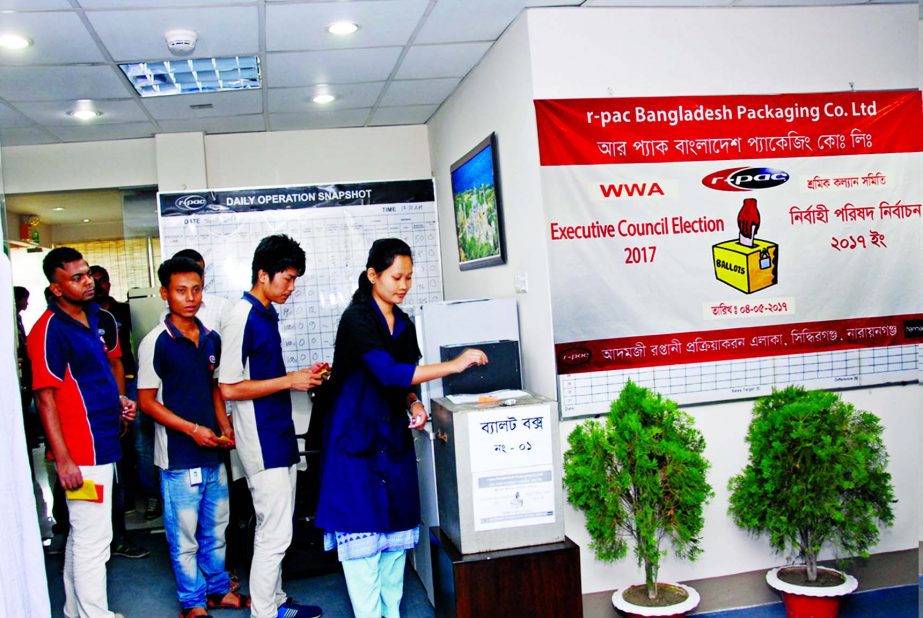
128, 550
154, 509
291, 609
57, 544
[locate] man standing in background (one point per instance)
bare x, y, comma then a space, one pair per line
21, 296
129, 468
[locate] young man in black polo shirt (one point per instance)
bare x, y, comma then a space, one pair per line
177, 388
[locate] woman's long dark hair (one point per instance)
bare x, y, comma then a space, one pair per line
381, 256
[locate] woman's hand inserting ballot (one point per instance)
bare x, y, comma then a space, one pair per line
468, 358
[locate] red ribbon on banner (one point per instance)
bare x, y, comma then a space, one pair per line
713, 128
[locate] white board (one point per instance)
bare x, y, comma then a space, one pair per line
335, 225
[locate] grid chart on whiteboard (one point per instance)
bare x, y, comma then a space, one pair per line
336, 242
590, 393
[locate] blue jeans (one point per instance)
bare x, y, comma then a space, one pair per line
195, 518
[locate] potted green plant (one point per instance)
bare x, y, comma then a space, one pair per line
816, 477
641, 478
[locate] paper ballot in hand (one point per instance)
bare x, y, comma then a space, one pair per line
89, 491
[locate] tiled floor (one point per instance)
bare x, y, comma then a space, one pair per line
900, 602
145, 588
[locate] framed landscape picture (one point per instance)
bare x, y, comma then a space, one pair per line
477, 204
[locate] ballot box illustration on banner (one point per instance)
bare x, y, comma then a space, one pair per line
748, 263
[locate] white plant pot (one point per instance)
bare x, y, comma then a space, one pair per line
672, 610
849, 585
811, 601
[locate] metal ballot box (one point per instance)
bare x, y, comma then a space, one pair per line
498, 473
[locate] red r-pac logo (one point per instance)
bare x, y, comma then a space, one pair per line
575, 356
745, 179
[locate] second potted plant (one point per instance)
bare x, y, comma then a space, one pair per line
816, 477
641, 478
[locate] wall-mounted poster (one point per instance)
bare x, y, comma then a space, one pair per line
478, 206
712, 247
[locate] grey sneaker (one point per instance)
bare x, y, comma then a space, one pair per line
128, 550
154, 509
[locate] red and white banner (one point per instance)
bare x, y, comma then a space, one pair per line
687, 230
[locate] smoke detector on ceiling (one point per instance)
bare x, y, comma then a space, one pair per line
181, 42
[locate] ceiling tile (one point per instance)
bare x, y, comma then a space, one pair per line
229, 124
57, 83
348, 96
419, 91
55, 112
453, 60
33, 5
471, 20
664, 3
96, 132
178, 107
797, 2
319, 120
286, 69
230, 31
408, 114
57, 38
11, 117
382, 23
26, 136
121, 4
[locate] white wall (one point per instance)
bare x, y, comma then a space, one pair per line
325, 156
659, 52
83, 165
497, 97
234, 160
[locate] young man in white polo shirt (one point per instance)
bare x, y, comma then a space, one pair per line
254, 379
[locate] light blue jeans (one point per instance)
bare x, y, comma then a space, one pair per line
195, 518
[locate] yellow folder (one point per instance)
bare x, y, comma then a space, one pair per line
89, 491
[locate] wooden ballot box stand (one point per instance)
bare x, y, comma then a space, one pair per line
500, 548
536, 581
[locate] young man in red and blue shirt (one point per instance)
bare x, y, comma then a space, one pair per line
78, 399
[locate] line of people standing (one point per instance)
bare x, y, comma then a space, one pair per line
368, 502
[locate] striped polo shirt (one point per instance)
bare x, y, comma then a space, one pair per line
263, 427
183, 374
73, 360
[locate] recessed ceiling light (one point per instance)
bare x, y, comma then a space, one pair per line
14, 41
86, 220
85, 114
84, 110
58, 208
342, 28
323, 99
